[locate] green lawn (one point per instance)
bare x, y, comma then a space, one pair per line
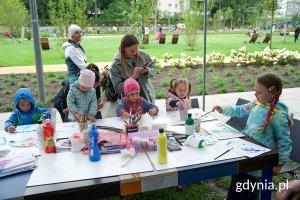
103, 49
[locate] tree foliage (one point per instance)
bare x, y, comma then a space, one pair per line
13, 15
295, 20
63, 13
193, 18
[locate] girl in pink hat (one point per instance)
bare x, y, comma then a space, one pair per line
132, 103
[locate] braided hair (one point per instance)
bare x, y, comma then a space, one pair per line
274, 85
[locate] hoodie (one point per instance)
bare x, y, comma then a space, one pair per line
81, 102
75, 57
118, 74
18, 117
277, 135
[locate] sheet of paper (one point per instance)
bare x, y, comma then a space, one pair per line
220, 130
191, 156
26, 128
113, 123
145, 122
244, 147
66, 130
67, 166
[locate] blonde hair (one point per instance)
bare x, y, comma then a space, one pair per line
176, 82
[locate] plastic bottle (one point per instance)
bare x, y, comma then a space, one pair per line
40, 137
197, 121
162, 155
189, 125
94, 151
49, 137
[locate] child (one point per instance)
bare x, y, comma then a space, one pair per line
26, 111
132, 103
267, 124
60, 102
81, 99
178, 95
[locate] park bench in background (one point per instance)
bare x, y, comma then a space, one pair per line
266, 39
45, 44
146, 39
253, 38
175, 38
162, 39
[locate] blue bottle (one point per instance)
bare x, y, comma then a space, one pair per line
94, 151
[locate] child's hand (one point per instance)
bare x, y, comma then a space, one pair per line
217, 108
100, 104
11, 129
152, 112
180, 105
143, 70
77, 116
290, 191
66, 111
92, 118
125, 114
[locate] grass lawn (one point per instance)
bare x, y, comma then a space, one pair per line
104, 48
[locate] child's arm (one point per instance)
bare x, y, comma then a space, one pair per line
71, 102
121, 112
11, 123
234, 111
149, 107
282, 134
93, 105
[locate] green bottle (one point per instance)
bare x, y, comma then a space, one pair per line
189, 125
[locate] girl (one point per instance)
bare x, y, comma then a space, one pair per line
267, 124
178, 95
132, 103
81, 99
131, 62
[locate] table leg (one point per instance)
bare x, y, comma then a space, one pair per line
266, 180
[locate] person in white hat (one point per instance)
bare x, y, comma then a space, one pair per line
75, 55
81, 99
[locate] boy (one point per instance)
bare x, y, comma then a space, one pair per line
26, 111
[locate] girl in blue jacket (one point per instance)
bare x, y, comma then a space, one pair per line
26, 111
267, 124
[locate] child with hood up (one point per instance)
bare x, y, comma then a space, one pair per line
26, 111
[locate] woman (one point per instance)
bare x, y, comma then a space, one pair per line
74, 53
131, 62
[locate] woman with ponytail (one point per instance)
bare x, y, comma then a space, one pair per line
267, 124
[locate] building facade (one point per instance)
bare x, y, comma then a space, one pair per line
287, 8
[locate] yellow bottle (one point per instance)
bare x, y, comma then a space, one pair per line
162, 155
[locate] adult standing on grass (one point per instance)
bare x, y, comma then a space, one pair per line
75, 56
129, 61
297, 32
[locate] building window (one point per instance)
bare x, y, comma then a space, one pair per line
289, 6
176, 5
170, 5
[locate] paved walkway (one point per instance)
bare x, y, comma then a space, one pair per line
290, 96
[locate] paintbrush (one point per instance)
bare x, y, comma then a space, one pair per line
206, 113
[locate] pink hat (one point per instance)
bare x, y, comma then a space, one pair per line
131, 85
86, 78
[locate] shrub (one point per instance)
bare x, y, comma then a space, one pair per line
160, 94
8, 108
51, 98
25, 78
49, 74
228, 72
165, 82
185, 72
7, 91
21, 85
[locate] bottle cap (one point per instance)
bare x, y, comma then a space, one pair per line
161, 130
190, 115
47, 121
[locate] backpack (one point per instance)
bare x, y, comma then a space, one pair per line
108, 88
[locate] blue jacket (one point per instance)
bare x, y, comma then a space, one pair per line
19, 117
277, 135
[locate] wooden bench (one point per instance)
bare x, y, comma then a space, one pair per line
162, 39
175, 38
146, 39
45, 44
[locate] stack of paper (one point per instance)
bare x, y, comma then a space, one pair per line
13, 161
220, 130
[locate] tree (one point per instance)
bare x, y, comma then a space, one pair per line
295, 20
228, 15
192, 20
63, 13
13, 15
218, 18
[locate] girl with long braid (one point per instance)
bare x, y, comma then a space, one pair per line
267, 124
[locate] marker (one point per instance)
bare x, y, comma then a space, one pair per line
206, 114
223, 153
